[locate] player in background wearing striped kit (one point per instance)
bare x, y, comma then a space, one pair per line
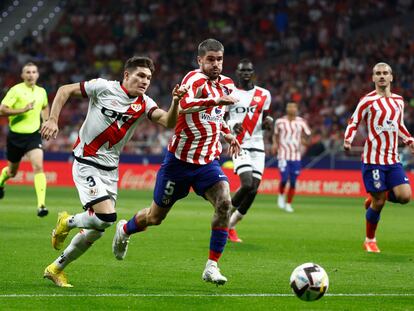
287, 142
383, 174
192, 156
247, 119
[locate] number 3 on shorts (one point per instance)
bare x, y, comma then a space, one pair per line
375, 174
91, 181
169, 187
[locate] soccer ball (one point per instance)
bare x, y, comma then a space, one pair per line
309, 281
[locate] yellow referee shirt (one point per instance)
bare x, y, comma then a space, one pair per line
17, 98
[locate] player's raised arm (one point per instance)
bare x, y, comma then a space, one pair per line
50, 128
169, 118
190, 103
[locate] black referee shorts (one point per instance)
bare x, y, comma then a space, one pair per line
19, 144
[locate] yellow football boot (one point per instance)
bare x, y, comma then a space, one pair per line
56, 276
61, 231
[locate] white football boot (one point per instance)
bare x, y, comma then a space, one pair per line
281, 201
289, 208
212, 274
120, 241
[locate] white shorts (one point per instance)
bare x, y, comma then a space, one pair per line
94, 185
250, 161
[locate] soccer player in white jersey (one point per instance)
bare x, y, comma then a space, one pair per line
192, 156
383, 174
115, 108
287, 143
247, 119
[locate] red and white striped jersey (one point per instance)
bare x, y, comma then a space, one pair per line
249, 112
290, 137
197, 133
384, 118
110, 122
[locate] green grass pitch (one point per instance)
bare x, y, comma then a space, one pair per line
162, 270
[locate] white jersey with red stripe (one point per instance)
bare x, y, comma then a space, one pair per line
290, 137
197, 133
110, 122
384, 118
249, 112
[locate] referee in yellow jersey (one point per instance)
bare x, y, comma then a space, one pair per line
25, 104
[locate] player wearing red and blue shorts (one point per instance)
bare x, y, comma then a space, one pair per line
383, 175
192, 156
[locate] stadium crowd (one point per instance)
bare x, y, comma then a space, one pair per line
312, 52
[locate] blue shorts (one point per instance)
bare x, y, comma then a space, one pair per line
289, 170
175, 178
379, 178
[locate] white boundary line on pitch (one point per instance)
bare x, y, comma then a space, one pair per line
192, 295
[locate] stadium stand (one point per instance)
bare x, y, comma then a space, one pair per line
318, 53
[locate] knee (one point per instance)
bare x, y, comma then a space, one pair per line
404, 198
378, 204
247, 187
93, 235
223, 207
37, 169
106, 220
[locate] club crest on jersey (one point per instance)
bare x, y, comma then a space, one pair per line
217, 110
136, 107
387, 126
257, 99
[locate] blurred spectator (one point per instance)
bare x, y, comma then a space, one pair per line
309, 51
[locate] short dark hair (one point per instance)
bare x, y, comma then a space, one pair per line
139, 61
245, 61
29, 64
210, 45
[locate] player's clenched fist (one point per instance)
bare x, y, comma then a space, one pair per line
347, 145
234, 148
179, 92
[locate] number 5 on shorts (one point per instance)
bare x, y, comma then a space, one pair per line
169, 187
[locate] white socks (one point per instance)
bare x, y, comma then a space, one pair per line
87, 220
235, 218
79, 245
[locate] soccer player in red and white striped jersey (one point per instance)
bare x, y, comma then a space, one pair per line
192, 158
287, 143
383, 113
197, 134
